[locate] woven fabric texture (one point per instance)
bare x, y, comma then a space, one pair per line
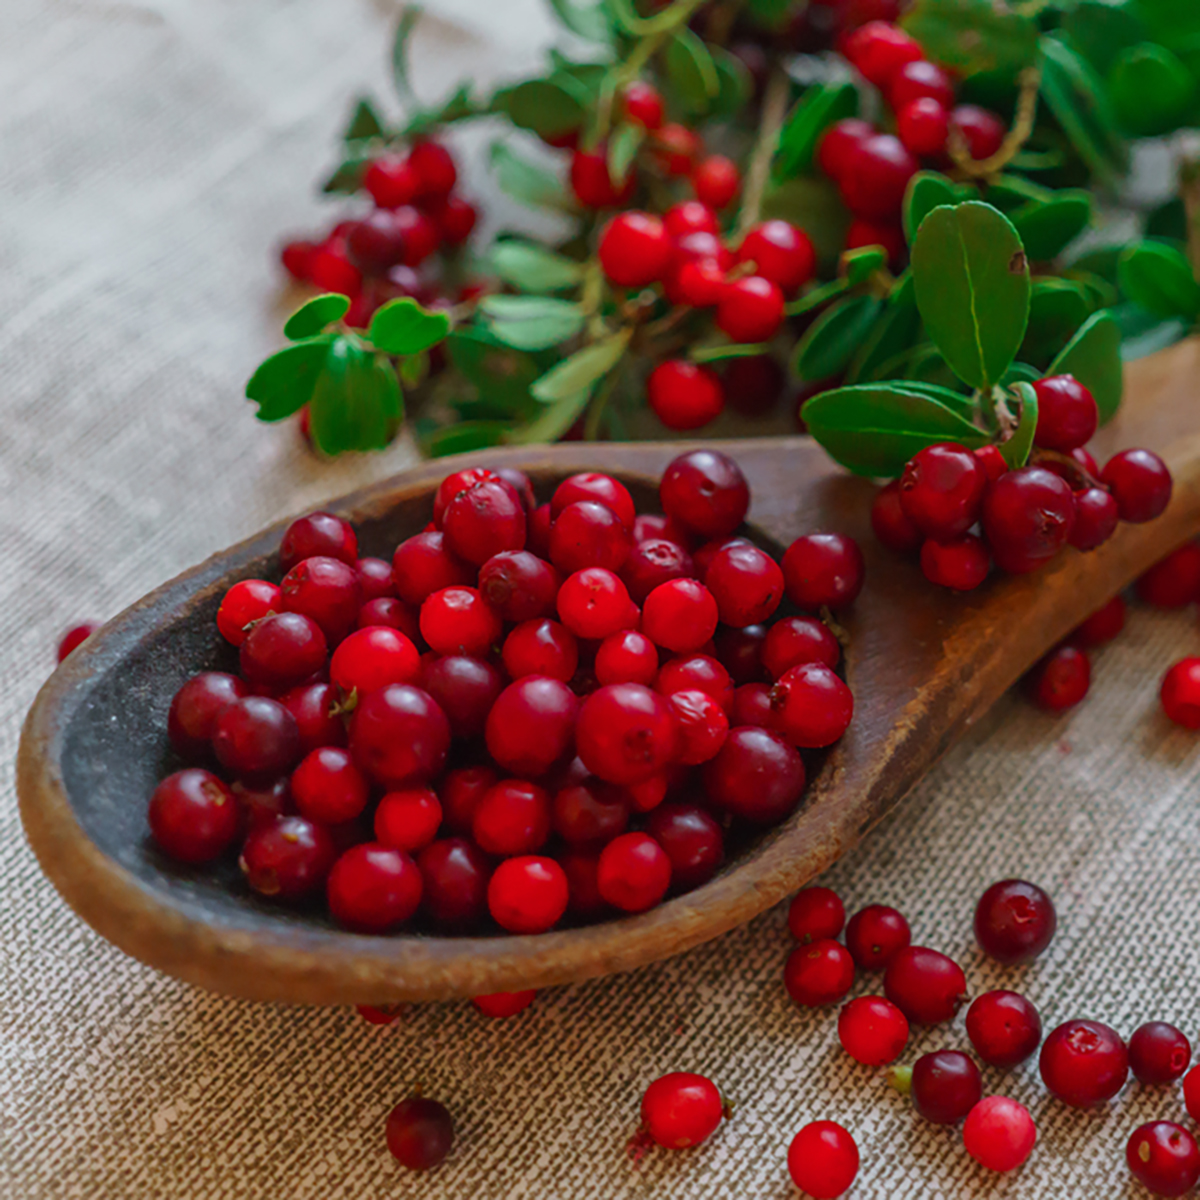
153, 151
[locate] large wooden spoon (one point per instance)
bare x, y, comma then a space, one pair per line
923, 663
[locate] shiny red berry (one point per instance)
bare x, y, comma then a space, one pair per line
634, 250
1027, 518
372, 658
681, 1110
1180, 693
941, 490
692, 840
890, 522
923, 126
1158, 1053
705, 492
399, 736
1014, 921
946, 1086
1164, 1158
811, 707
634, 872
815, 913
1140, 481
999, 1133
408, 820
455, 874
246, 602
961, 564
925, 985
823, 1160
318, 535
288, 858
594, 603
1061, 679
823, 570
193, 816
518, 585
839, 143
423, 565
876, 177
527, 894
716, 181
679, 615
918, 80
434, 165
531, 725
464, 688
625, 733
588, 534
1096, 517
873, 1031
756, 775
1004, 1028
684, 395
192, 717
483, 520
373, 888
819, 973
983, 131
1084, 1063
875, 935
642, 104
1067, 413
391, 181
751, 309
420, 1133
780, 252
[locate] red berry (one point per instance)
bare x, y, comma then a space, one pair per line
1191, 1093
527, 895
653, 562
693, 842
312, 705
961, 564
328, 787
420, 1133
331, 271
999, 1133
458, 620
192, 718
946, 1086
781, 253
244, 603
681, 1110
941, 490
887, 236
823, 1160
839, 144
984, 131
690, 216
373, 888
890, 523
815, 913
375, 579
918, 80
1096, 517
634, 249
376, 242
706, 492
399, 736
873, 1031
454, 485
992, 461
875, 935
739, 651
391, 181
591, 182
876, 177
256, 738
501, 1005
811, 707
676, 148
626, 657
680, 615
512, 817
751, 309
1180, 693
1083, 1063
588, 534
924, 126
823, 570
1027, 518
696, 283
925, 985
1004, 1028
642, 104
755, 775
746, 583
193, 816
819, 973
455, 874
531, 725
455, 218
519, 585
287, 858
325, 589
464, 689
684, 395
1061, 679
649, 527
541, 647
483, 520
581, 867
1164, 1157
625, 733
408, 820
1067, 413
419, 234
879, 49
1158, 1053
634, 872
1175, 581
423, 565
1103, 625
372, 658
297, 259
1014, 921
282, 650
319, 535
434, 165
589, 810
716, 181
593, 603
598, 488
703, 726
698, 673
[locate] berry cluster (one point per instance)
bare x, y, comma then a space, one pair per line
534, 709
388, 253
1025, 516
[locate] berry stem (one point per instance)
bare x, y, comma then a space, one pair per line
1189, 190
774, 110
1014, 140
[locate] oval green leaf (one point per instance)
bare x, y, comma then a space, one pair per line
1016, 449
283, 384
1093, 356
549, 107
815, 111
583, 369
1151, 90
831, 340
404, 327
928, 190
691, 71
973, 36
532, 268
313, 316
1159, 277
1047, 227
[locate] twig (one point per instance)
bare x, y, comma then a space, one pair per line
1017, 136
774, 110
1189, 190
599, 402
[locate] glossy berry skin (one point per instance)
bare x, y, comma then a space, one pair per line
288, 858
839, 143
923, 126
1175, 581
1061, 679
531, 725
328, 787
625, 733
501, 1005
697, 673
1164, 1158
690, 216
642, 104
746, 583
984, 131
588, 534
423, 565
705, 492
1158, 1053
453, 486
594, 603
282, 650
823, 570
811, 707
1014, 921
319, 535
875, 935
541, 647
527, 894
823, 1160
484, 520
946, 1085
941, 490
518, 585
716, 181
655, 561
391, 181
816, 913
193, 816
695, 283
371, 658
1083, 1063
192, 717
702, 726
873, 1031
925, 985
879, 49
692, 840
591, 182
739, 651
256, 738
399, 736
1096, 517
597, 488
512, 817
1140, 481
375, 579
634, 249
420, 1133
890, 522
1067, 413
780, 252
681, 1110
1191, 1093
1004, 1028
312, 706
455, 874
999, 1133
626, 657
325, 589
634, 872
458, 620
373, 888
960, 565
1180, 693
408, 820
588, 810
465, 689
680, 615
1103, 625
246, 602
751, 309
877, 176
684, 395
755, 775
919, 80
819, 973
1027, 518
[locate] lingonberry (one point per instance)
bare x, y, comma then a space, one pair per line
923, 126
531, 725
648, 794
819, 973
527, 894
690, 216
382, 1014
681, 1110
698, 673
520, 483
652, 562
260, 804
693, 842
876, 177
946, 1085
541, 647
282, 650
1158, 1053
999, 1133
287, 858
1140, 481
1180, 693
1096, 517
872, 1030
420, 1133
372, 658
423, 565
328, 787
588, 534
589, 810
625, 733
1061, 679
376, 242
519, 585
684, 395
391, 181
330, 270
823, 1160
512, 817
375, 579
642, 104
1175, 581
1027, 518
755, 775
739, 651
918, 80
296, 257
455, 874
454, 219
244, 603
634, 249
454, 485
325, 589
581, 866
676, 148
1067, 413
746, 583
823, 570
256, 738
192, 717
626, 657
592, 184
1164, 1157
373, 888
992, 461
816, 913
465, 689
319, 535
892, 527
435, 168
839, 144
1191, 1093
780, 252
1004, 1028
716, 181
399, 736
879, 49
193, 816
597, 488
699, 247
680, 615
925, 985
983, 131
1083, 1063
1014, 921
875, 935
751, 309
1103, 625
693, 283
460, 791
705, 492
634, 872
594, 603
458, 620
483, 520
501, 1005
408, 820
811, 707
703, 726
961, 564
312, 705
941, 490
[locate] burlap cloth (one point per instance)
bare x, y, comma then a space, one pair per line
151, 152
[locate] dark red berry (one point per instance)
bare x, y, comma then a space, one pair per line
373, 888
626, 657
875, 935
519, 585
625, 733
484, 520
823, 570
780, 252
684, 395
811, 707
879, 49
434, 165
892, 527
256, 738
244, 603
319, 535
455, 874
999, 1133
460, 791
192, 718
702, 725
755, 775
1103, 625
1027, 518
819, 973
739, 651
746, 583
512, 817
1014, 921
193, 816
1175, 581
1159, 1053
642, 104
1140, 481
527, 895
598, 488
1084, 1063
873, 1031
1096, 517
260, 804
312, 704
1067, 413
706, 492
464, 689
925, 985
328, 787
983, 131
716, 181
589, 810
501, 1005
1061, 679
455, 219
420, 1133
1180, 693
283, 650
399, 736
408, 820
816, 913
693, 842
1191, 1093
594, 603
376, 242
823, 1160
458, 620
588, 534
698, 673
876, 177
1004, 1028
634, 872
375, 579
541, 647
1164, 1157
681, 1110
751, 309
652, 562
941, 490
961, 564
531, 725
288, 859
946, 1085
423, 565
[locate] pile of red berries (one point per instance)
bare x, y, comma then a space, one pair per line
380, 257
871, 167
532, 710
1025, 516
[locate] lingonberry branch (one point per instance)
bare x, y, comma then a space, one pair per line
774, 109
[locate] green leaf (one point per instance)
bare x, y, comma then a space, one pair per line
1057, 308
1009, 193
928, 190
857, 266
404, 327
815, 111
365, 122
1150, 89
532, 322
722, 351
1047, 227
554, 421
973, 36
1159, 278
588, 21
966, 406
462, 437
1176, 25
530, 267
875, 428
769, 13
347, 178
735, 84
692, 72
1168, 220
413, 370
583, 369
815, 206
816, 297
972, 286
1016, 450
1100, 29
408, 19
895, 332
622, 150
1093, 356
1142, 333
549, 107
501, 375
1020, 372
283, 384
356, 402
526, 182
312, 317
831, 340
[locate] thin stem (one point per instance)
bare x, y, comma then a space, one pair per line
599, 402
773, 112
1189, 190
1014, 140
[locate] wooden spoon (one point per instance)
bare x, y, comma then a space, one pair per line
923, 663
